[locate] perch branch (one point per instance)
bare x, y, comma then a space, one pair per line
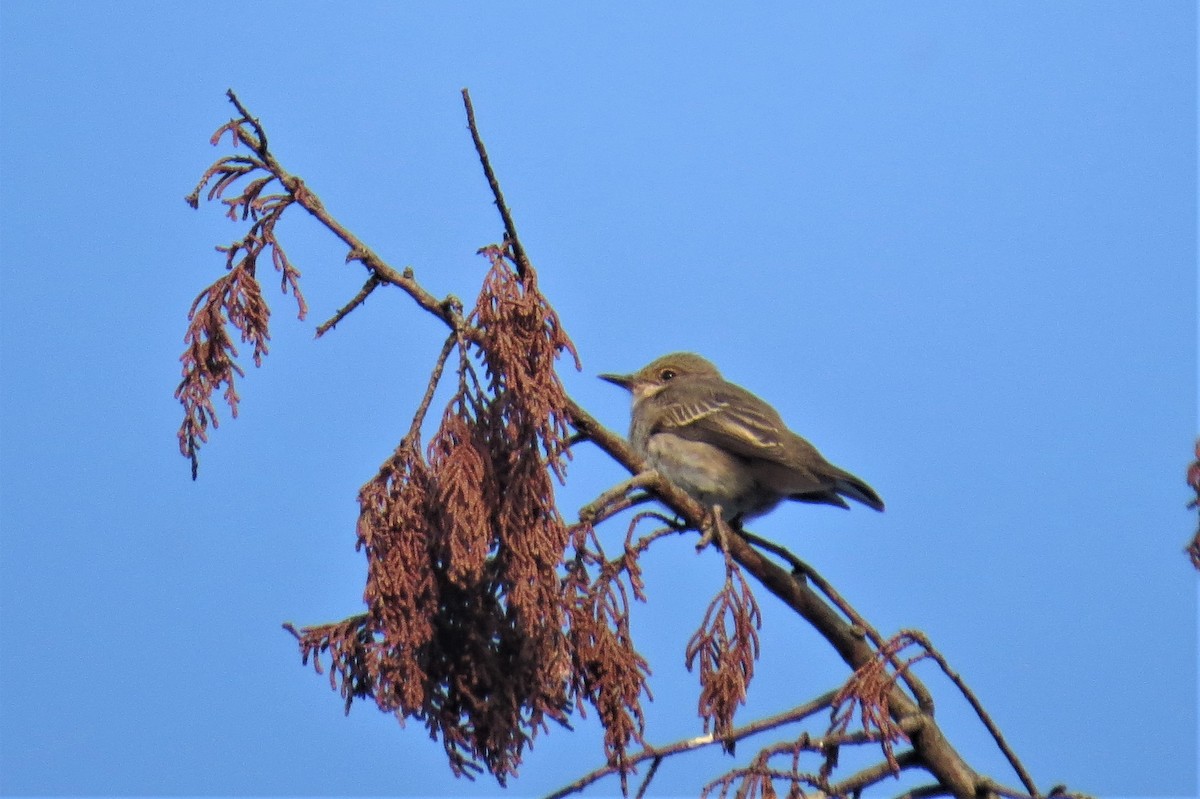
936, 753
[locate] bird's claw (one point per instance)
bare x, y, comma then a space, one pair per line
714, 526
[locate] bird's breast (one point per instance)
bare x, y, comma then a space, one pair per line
709, 474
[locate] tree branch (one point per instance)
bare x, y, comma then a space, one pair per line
936, 753
798, 713
876, 773
930, 746
359, 251
355, 301
649, 776
510, 227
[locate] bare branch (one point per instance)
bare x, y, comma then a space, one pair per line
358, 249
855, 783
926, 792
616, 499
796, 714
649, 776
510, 227
358, 299
434, 378
977, 706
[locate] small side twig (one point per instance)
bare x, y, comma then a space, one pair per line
796, 714
434, 379
977, 706
616, 498
373, 282
855, 783
510, 227
920, 692
649, 776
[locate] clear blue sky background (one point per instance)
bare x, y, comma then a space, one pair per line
954, 244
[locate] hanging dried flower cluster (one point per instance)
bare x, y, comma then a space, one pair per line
865, 696
1193, 481
726, 646
607, 670
467, 629
236, 297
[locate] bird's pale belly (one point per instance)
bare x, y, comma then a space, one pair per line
710, 475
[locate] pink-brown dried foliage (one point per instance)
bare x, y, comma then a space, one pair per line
726, 646
1193, 481
477, 628
607, 670
236, 297
867, 695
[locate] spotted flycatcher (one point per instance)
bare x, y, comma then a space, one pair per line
724, 446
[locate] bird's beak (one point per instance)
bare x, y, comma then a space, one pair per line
624, 381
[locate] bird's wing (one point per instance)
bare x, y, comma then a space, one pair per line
728, 417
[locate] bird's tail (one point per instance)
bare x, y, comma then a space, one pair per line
850, 486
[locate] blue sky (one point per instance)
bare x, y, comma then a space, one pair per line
954, 244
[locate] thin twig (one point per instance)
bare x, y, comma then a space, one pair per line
598, 509
796, 714
358, 249
669, 528
261, 145
926, 792
649, 776
434, 379
876, 773
977, 706
373, 282
920, 692
510, 227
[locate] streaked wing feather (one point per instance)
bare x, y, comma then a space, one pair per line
731, 418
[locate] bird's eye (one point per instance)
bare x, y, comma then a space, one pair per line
667, 374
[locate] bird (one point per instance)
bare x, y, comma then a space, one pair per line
726, 447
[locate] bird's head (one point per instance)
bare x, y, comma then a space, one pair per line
661, 372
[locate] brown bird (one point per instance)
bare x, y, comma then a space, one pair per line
724, 446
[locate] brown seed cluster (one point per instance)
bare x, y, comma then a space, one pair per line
236, 297
474, 626
726, 647
1193, 480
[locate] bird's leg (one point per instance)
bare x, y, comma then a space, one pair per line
618, 498
715, 526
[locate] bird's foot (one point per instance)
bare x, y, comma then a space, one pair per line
716, 527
